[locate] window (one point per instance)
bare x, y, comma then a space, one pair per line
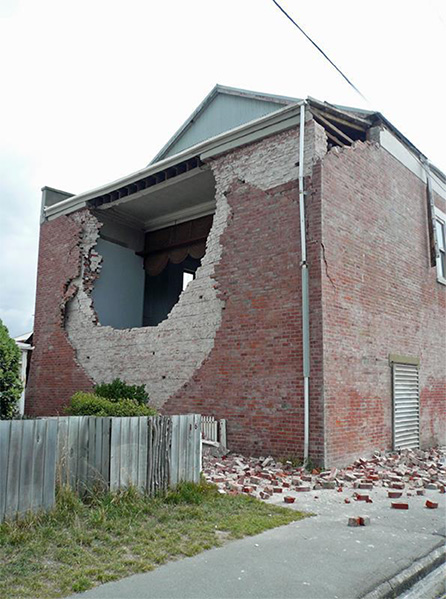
188, 276
440, 227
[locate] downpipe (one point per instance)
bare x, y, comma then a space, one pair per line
305, 288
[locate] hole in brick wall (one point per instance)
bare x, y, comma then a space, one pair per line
151, 251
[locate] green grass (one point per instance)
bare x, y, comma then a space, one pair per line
82, 544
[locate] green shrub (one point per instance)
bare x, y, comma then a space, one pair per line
10, 383
119, 390
89, 404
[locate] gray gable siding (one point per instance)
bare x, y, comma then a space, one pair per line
223, 113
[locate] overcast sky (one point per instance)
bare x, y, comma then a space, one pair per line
92, 89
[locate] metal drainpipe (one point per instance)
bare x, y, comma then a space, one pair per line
305, 294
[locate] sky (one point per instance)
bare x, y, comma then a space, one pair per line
92, 89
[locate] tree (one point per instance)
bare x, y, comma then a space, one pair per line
10, 383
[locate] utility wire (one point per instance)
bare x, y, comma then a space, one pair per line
320, 50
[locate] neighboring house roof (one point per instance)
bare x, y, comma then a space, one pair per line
25, 338
224, 108
25, 341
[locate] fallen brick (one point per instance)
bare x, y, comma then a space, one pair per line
329, 484
368, 486
354, 521
431, 487
399, 485
360, 497
400, 505
394, 494
432, 505
289, 499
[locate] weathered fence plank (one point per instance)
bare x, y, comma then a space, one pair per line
26, 486
115, 454
13, 478
28, 451
49, 478
39, 459
142, 454
173, 477
150, 454
5, 431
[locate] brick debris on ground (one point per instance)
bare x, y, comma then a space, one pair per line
404, 474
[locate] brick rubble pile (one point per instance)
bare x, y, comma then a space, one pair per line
407, 472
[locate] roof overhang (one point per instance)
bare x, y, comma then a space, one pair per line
149, 197
275, 122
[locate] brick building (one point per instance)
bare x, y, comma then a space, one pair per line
195, 277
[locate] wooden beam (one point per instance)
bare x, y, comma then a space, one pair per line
324, 122
337, 141
340, 120
343, 114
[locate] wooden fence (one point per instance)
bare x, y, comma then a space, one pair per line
28, 451
85, 452
214, 430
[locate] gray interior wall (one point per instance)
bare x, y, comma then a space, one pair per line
118, 294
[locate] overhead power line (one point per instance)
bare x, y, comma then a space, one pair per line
320, 50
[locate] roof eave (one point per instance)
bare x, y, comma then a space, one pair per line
206, 147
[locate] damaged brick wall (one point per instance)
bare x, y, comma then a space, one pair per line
162, 357
380, 296
55, 373
232, 345
253, 376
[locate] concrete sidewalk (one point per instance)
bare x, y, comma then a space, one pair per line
317, 558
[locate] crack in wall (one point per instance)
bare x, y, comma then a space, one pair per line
326, 266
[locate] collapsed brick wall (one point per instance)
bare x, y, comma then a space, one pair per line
163, 357
380, 296
253, 376
55, 373
232, 345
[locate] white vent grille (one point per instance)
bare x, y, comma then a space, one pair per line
406, 406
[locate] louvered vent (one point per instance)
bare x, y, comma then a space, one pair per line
406, 406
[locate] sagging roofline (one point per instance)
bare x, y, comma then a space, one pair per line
280, 120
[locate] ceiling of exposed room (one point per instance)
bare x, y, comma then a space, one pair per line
184, 197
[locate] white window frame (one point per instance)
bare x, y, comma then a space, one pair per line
440, 216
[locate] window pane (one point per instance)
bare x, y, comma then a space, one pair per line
443, 265
187, 278
440, 234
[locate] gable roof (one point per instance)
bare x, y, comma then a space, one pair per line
343, 125
224, 108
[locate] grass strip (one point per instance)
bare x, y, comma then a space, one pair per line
81, 544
